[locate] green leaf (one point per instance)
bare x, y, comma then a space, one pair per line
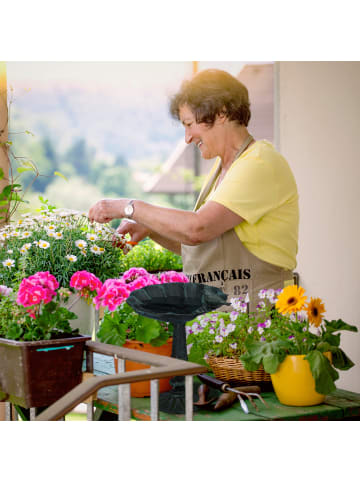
1, 173
14, 332
272, 361
324, 374
56, 173
270, 355
196, 355
336, 325
24, 169
147, 330
340, 360
112, 331
160, 340
331, 339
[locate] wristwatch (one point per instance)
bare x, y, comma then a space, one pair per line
129, 209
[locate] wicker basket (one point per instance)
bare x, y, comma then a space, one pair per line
232, 370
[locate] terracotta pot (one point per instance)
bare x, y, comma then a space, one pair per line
142, 389
294, 384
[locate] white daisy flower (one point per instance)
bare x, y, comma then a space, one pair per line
20, 222
14, 234
71, 258
8, 263
81, 244
43, 244
51, 227
10, 251
26, 234
51, 234
96, 249
25, 247
91, 236
58, 235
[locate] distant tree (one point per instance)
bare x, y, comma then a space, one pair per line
118, 181
80, 157
120, 161
74, 194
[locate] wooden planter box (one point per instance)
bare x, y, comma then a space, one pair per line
37, 373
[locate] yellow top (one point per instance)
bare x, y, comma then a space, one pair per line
260, 187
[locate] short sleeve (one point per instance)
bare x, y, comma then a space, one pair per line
248, 189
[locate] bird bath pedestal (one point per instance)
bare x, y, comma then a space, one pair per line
176, 303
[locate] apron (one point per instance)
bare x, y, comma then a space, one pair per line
224, 262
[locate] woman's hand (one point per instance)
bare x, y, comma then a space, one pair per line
106, 210
137, 231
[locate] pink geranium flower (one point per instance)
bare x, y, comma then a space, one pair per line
112, 294
173, 277
133, 273
44, 279
84, 280
30, 294
142, 281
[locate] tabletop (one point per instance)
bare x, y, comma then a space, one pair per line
339, 405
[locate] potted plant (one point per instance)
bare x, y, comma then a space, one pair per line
298, 347
217, 340
122, 326
151, 256
41, 355
61, 242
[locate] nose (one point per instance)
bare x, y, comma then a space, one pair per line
188, 137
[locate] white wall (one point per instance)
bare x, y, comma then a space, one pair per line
318, 131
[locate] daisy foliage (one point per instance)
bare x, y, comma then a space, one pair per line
61, 242
284, 323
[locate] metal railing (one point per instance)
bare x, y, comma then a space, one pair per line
160, 367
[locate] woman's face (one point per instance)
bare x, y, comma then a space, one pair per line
205, 137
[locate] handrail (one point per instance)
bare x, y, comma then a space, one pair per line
162, 367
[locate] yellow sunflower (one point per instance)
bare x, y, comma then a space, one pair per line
291, 299
315, 310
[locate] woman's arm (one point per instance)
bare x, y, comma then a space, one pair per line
183, 227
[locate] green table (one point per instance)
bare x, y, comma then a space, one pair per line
339, 405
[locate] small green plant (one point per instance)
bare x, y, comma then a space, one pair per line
125, 324
150, 256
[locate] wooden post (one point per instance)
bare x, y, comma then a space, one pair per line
4, 148
4, 158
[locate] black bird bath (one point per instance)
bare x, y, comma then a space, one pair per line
176, 303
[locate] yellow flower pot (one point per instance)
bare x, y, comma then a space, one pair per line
294, 384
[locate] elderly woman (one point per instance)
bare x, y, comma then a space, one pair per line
242, 235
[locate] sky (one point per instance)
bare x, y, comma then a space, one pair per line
115, 75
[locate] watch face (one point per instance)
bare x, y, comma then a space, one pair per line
129, 210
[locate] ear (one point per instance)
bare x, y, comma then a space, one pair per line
221, 117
